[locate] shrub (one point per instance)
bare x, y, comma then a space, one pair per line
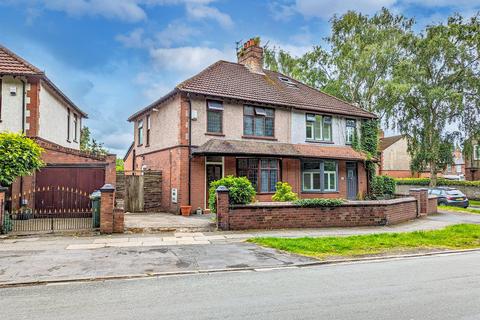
383, 186
440, 182
19, 156
240, 190
284, 193
318, 202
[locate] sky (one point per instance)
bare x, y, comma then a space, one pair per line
114, 57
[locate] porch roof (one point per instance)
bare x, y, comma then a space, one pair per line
257, 148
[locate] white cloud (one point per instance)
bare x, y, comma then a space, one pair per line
201, 11
325, 9
186, 59
134, 39
175, 33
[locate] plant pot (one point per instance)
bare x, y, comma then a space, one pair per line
185, 210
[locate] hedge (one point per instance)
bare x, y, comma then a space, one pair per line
440, 182
318, 202
240, 191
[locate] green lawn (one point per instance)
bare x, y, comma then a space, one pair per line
474, 202
458, 209
462, 236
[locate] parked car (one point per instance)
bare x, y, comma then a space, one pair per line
449, 196
460, 177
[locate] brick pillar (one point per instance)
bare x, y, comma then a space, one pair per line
3, 191
223, 208
421, 194
106, 208
119, 217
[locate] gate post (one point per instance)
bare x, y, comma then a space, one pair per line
107, 201
2, 209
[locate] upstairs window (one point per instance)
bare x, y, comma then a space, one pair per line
350, 131
75, 127
318, 128
262, 173
68, 125
214, 116
258, 122
476, 152
148, 129
140, 132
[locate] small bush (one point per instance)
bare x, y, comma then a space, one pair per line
318, 202
240, 190
284, 193
440, 182
383, 186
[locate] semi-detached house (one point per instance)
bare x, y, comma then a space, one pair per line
240, 119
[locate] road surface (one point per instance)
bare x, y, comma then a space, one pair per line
437, 287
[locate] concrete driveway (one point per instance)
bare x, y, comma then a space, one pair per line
166, 222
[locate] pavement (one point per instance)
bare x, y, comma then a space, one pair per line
427, 288
59, 258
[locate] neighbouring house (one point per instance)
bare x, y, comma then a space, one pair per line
240, 119
128, 160
32, 104
472, 164
395, 160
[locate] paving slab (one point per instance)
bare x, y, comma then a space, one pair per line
85, 246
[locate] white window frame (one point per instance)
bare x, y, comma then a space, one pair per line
476, 151
330, 174
312, 121
321, 172
140, 130
350, 131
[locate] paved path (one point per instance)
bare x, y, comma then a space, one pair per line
440, 287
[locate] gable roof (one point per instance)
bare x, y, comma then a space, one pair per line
236, 81
388, 141
14, 65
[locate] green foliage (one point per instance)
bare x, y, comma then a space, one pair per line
240, 190
19, 156
383, 186
440, 182
318, 202
91, 145
284, 193
119, 165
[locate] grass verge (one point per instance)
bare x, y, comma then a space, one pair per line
462, 236
474, 202
458, 209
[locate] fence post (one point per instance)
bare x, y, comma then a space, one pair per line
421, 194
223, 208
107, 200
3, 190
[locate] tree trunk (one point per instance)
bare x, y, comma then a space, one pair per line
433, 175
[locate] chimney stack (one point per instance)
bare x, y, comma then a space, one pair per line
251, 55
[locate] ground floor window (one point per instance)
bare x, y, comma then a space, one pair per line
319, 175
262, 173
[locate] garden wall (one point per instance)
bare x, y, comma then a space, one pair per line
279, 215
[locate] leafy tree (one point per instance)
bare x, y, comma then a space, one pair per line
91, 145
120, 165
19, 156
436, 86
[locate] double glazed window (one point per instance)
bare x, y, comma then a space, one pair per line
149, 124
319, 176
258, 121
75, 127
476, 152
262, 173
350, 131
140, 132
68, 125
318, 128
214, 116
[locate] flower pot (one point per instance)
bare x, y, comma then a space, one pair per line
185, 210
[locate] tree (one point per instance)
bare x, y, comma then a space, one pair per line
119, 165
91, 145
19, 156
436, 86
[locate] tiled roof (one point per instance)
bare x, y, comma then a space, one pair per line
236, 81
241, 147
388, 141
10, 63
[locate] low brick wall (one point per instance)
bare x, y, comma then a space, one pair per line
432, 205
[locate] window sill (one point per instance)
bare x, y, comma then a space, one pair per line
319, 141
319, 192
69, 141
139, 145
265, 193
259, 138
216, 134
147, 145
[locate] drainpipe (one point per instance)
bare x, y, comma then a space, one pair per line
189, 149
23, 131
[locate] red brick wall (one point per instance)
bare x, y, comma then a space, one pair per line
432, 206
351, 214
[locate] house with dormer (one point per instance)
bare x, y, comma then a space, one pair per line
236, 118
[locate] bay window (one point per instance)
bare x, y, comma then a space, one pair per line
214, 116
350, 131
319, 176
259, 122
262, 173
318, 127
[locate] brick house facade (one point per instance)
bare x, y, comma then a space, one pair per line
239, 119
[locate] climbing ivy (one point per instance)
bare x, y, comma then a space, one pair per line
368, 144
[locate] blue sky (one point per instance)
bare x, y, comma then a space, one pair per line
113, 57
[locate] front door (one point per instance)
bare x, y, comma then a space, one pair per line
352, 184
213, 172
